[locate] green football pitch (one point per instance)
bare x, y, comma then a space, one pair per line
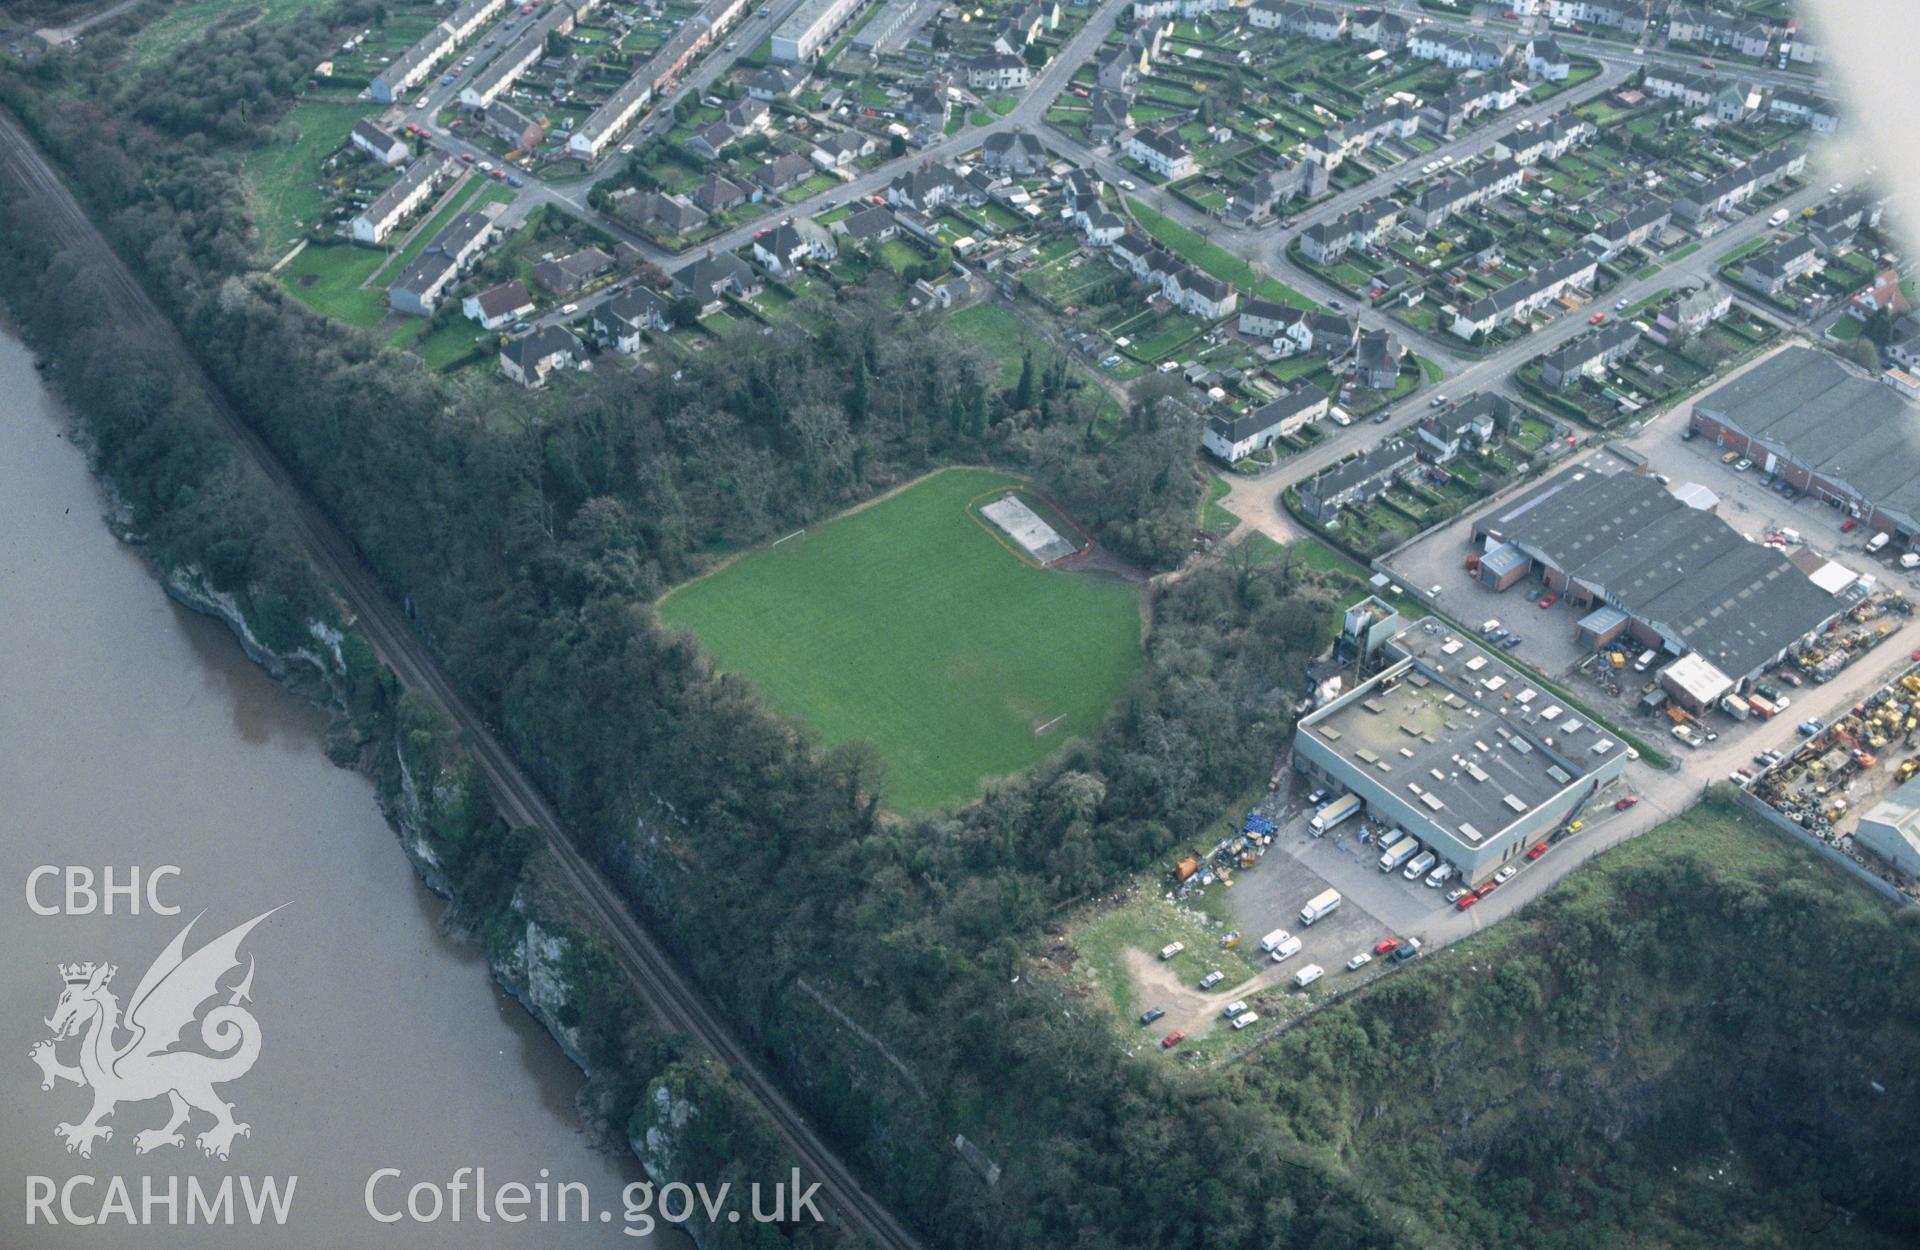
909, 624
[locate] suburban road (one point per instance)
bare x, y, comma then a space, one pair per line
675, 1001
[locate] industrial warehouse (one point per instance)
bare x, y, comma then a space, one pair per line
1661, 569
1451, 745
1831, 433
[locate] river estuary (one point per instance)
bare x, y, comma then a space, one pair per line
134, 735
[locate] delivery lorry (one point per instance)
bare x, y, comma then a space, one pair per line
1333, 813
1399, 853
1321, 904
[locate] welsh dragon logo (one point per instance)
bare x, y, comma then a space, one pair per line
146, 1066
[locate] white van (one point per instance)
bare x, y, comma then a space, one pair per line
1645, 661
1274, 939
1286, 950
1440, 876
1245, 1018
1308, 975
1419, 865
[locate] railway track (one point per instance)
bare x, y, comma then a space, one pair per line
659, 982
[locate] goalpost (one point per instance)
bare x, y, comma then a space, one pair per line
796, 534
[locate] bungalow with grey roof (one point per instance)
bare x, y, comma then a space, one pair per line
377, 143
529, 359
498, 305
620, 322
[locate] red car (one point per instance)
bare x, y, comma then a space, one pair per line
1488, 888
1466, 901
1849, 525
1596, 319
1172, 1039
1625, 803
1548, 600
1539, 849
1386, 946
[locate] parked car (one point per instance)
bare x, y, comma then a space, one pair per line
1549, 599
1410, 951
1230, 941
1246, 1018
1596, 319
1151, 1014
1359, 961
1233, 1008
1172, 1039
1386, 945
1510, 642
1809, 727
1506, 874
1849, 525
1126, 184
1742, 465
1730, 457
1212, 979
1539, 849
1166, 952
1791, 678
1465, 901
1303, 978
1626, 802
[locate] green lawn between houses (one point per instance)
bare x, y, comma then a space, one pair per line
909, 625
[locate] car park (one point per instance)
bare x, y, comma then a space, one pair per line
1151, 1014
1212, 979
1172, 1039
1359, 961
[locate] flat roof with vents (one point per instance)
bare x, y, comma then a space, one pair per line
1484, 746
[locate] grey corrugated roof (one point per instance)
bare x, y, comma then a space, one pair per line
1684, 571
1806, 405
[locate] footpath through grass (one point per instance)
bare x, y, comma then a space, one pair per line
908, 624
